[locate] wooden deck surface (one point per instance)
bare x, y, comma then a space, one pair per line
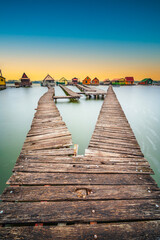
70, 94
89, 91
106, 194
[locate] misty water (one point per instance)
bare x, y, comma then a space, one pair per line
17, 108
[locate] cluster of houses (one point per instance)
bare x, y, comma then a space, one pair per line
50, 81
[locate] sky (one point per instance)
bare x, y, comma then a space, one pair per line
98, 38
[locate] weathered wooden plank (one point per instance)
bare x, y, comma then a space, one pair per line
32, 178
131, 230
49, 152
81, 160
81, 168
77, 192
81, 211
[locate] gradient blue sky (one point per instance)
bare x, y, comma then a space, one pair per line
106, 38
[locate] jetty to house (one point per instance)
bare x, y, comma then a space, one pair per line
146, 81
48, 81
129, 80
86, 81
95, 81
62, 81
2, 81
106, 194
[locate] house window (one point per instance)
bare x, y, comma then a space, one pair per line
86, 81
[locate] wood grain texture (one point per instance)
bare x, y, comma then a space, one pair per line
120, 231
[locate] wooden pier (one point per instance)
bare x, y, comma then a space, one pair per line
91, 91
106, 194
70, 94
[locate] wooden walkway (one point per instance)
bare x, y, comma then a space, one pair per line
107, 194
70, 94
91, 91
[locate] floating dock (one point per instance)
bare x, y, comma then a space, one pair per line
106, 194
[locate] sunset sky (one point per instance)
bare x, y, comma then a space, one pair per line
98, 38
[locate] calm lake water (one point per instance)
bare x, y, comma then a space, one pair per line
17, 108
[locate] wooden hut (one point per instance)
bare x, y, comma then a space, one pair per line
48, 81
95, 81
75, 80
2, 81
86, 81
25, 81
129, 80
62, 81
146, 81
118, 81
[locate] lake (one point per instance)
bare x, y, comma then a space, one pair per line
17, 108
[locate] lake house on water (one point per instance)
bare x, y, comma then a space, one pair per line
95, 81
48, 81
2, 81
62, 81
74, 80
86, 81
146, 81
129, 80
123, 81
24, 81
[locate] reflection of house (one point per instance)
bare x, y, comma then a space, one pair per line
2, 81
86, 81
129, 80
105, 82
62, 81
95, 81
48, 81
74, 80
118, 81
25, 81
146, 81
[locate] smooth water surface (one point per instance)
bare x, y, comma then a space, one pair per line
17, 108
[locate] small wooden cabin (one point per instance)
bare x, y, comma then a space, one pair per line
48, 81
146, 81
75, 80
2, 81
129, 80
25, 81
62, 81
86, 81
95, 81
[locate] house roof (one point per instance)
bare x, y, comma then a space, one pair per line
131, 79
74, 78
95, 79
24, 76
88, 78
47, 78
63, 79
146, 79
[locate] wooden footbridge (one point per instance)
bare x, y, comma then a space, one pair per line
91, 91
106, 194
69, 94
